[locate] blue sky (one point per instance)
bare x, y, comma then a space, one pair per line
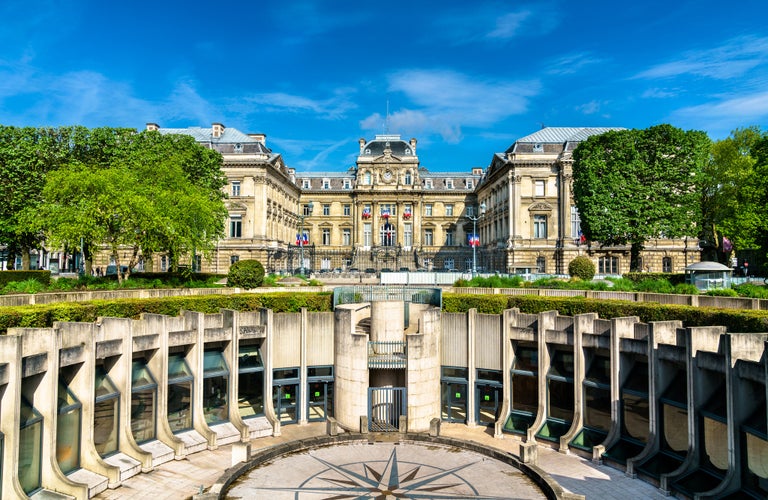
465, 78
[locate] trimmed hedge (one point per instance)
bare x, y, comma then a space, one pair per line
6, 277
735, 320
43, 316
673, 278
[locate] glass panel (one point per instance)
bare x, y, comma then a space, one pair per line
140, 376
66, 398
178, 367
488, 402
597, 414
455, 372
143, 409
492, 375
638, 378
250, 400
635, 422
250, 357
562, 364
599, 370
68, 440
103, 385
317, 399
454, 402
757, 456
285, 373
716, 443
525, 393
320, 371
30, 448
560, 396
284, 399
213, 362
215, 401
526, 359
675, 427
180, 406
105, 426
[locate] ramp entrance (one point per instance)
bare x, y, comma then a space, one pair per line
385, 406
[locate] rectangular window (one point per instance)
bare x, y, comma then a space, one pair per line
367, 234
539, 188
346, 237
575, 223
407, 235
428, 210
428, 237
326, 236
470, 184
233, 259
450, 239
448, 210
326, 184
539, 226
666, 265
235, 226
235, 188
428, 183
326, 209
347, 210
347, 184
305, 184
448, 264
449, 183
608, 265
306, 210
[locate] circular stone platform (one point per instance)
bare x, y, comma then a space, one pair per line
384, 471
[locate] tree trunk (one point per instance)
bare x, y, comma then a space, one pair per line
634, 256
25, 259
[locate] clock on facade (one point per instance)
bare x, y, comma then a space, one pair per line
387, 175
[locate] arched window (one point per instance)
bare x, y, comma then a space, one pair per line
666, 265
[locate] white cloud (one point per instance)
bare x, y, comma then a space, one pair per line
573, 63
320, 151
443, 102
334, 107
590, 108
658, 93
731, 60
722, 116
490, 23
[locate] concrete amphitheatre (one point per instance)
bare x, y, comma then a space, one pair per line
386, 396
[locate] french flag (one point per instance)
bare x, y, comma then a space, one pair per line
302, 240
474, 240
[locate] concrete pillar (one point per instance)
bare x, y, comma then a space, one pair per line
423, 376
351, 367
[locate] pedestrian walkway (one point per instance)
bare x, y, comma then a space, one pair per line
181, 479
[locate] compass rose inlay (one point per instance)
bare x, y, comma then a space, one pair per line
408, 471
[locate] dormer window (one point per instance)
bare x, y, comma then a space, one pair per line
237, 148
470, 184
368, 151
428, 183
538, 148
449, 183
347, 184
326, 184
305, 184
407, 151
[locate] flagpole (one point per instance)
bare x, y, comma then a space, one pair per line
301, 239
475, 241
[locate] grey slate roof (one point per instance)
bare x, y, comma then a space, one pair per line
229, 136
560, 135
398, 146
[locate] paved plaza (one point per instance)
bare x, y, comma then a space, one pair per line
332, 466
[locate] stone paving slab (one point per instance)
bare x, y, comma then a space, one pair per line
181, 479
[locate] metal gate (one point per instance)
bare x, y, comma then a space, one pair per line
385, 406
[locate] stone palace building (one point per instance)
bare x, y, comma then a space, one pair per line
387, 212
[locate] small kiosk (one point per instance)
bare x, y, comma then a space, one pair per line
708, 275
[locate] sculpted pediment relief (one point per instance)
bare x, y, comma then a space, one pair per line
540, 207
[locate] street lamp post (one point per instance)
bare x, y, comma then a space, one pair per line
475, 240
302, 216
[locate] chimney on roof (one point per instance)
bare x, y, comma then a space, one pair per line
362, 144
477, 171
262, 138
217, 130
413, 145
153, 126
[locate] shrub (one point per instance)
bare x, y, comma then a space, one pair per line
686, 289
246, 274
655, 286
722, 292
582, 267
26, 286
752, 291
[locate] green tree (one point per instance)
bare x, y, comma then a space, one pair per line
633, 185
135, 202
246, 274
735, 199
